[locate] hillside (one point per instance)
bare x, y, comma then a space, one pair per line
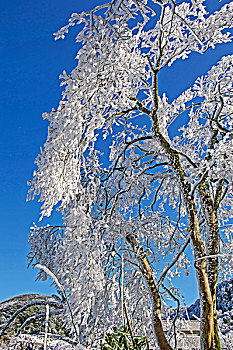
9, 307
56, 326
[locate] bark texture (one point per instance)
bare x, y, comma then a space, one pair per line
206, 270
205, 255
211, 221
154, 293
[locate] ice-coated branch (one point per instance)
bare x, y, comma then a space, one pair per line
174, 261
60, 286
188, 26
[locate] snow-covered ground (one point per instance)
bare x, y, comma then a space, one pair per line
30, 342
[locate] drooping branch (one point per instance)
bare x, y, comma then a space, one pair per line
60, 286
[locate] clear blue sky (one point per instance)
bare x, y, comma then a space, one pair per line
31, 62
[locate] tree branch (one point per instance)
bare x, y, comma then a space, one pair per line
168, 267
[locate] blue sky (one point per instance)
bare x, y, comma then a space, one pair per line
31, 62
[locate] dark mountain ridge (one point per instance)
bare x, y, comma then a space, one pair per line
224, 301
35, 326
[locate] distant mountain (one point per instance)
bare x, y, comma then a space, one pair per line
9, 307
224, 301
32, 336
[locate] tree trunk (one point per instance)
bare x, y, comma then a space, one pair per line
206, 301
203, 272
154, 293
211, 220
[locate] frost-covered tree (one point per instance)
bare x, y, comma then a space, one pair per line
132, 196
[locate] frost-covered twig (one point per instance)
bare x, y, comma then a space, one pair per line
214, 256
189, 27
177, 312
176, 258
60, 286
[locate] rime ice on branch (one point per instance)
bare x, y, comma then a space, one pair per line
110, 164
